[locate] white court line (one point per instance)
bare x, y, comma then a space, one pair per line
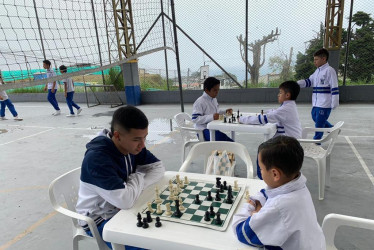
363, 164
23, 126
26, 137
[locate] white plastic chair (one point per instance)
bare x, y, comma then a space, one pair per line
67, 186
331, 222
319, 153
206, 149
188, 132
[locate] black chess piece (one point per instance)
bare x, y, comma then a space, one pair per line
221, 188
197, 199
230, 120
207, 216
209, 197
218, 182
218, 218
158, 222
229, 191
212, 213
177, 212
218, 198
149, 218
224, 120
145, 223
262, 111
237, 116
140, 223
224, 185
229, 198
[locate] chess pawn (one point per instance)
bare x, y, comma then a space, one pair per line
159, 210
168, 209
171, 187
177, 178
158, 199
170, 182
181, 207
186, 181
181, 185
149, 204
236, 187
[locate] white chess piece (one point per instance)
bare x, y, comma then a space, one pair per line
170, 182
159, 210
186, 180
171, 196
181, 207
181, 185
158, 199
170, 187
168, 209
149, 204
236, 187
177, 179
247, 194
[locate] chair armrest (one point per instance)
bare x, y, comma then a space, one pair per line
308, 130
198, 131
310, 141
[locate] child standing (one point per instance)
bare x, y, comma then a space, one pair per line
5, 101
286, 116
281, 216
69, 93
52, 87
325, 91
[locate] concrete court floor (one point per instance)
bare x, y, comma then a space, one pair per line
38, 149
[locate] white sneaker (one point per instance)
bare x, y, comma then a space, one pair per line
4, 118
79, 111
18, 118
70, 115
58, 112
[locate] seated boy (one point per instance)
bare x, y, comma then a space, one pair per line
286, 116
206, 109
282, 215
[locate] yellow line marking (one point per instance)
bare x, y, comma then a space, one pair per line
22, 188
28, 230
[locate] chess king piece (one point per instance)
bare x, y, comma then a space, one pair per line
177, 212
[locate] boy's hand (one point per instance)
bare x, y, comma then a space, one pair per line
257, 206
53, 90
45, 88
215, 116
229, 111
66, 94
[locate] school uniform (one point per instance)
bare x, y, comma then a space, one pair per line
287, 219
6, 102
70, 94
203, 110
325, 95
52, 96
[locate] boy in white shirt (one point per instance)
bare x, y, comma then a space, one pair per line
69, 93
5, 101
281, 216
52, 87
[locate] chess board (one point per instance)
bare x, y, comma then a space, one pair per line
194, 213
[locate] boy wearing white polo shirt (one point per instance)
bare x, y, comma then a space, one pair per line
5, 101
69, 93
52, 87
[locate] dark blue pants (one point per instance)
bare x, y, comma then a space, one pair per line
10, 106
219, 136
100, 228
320, 116
70, 102
52, 99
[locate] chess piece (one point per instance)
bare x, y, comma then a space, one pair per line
212, 213
209, 197
149, 204
177, 212
149, 218
181, 207
262, 111
247, 194
168, 209
237, 116
221, 188
218, 182
207, 216
145, 223
157, 193
140, 223
224, 185
229, 192
171, 195
158, 222
230, 120
218, 218
158, 210
224, 120
177, 178
170, 187
170, 182
197, 199
181, 185
236, 187
229, 198
218, 198
186, 181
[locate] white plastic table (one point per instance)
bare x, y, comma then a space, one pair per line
268, 129
122, 230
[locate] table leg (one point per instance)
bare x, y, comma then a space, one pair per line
212, 134
233, 135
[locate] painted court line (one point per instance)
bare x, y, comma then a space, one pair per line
27, 137
363, 164
22, 189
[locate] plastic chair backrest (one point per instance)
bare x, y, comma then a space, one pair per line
206, 148
331, 222
181, 119
332, 136
185, 124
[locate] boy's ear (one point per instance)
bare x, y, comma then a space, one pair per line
276, 174
288, 95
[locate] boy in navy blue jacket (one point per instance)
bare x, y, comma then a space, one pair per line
117, 168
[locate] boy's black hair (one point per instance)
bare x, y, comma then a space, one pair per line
322, 53
48, 62
291, 87
210, 82
284, 153
63, 68
128, 118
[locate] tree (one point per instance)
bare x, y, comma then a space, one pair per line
282, 64
257, 50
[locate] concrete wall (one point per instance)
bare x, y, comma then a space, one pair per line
363, 93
